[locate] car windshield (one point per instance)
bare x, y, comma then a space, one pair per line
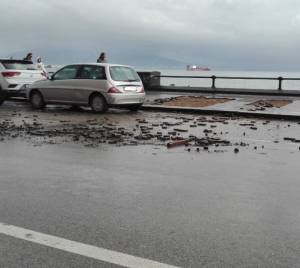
121, 73
18, 65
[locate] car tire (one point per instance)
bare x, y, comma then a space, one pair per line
98, 103
36, 99
135, 108
2, 97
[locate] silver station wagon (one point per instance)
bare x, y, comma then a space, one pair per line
97, 85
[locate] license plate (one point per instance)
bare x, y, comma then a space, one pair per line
130, 88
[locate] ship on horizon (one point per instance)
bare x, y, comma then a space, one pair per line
197, 68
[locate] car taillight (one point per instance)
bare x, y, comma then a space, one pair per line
10, 74
114, 90
141, 90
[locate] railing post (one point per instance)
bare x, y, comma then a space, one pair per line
213, 81
280, 83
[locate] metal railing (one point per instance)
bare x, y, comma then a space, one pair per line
214, 78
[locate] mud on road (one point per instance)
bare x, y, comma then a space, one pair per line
58, 124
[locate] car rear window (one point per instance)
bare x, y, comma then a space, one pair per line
18, 65
92, 72
121, 73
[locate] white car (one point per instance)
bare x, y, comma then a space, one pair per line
16, 76
98, 85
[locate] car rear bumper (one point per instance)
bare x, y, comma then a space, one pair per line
8, 93
125, 99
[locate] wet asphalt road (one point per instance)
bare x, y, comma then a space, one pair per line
210, 208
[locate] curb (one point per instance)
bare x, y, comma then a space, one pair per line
228, 113
259, 92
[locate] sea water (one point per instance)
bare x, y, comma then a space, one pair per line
231, 83
223, 83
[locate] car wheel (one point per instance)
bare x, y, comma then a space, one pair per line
2, 97
134, 108
98, 103
37, 100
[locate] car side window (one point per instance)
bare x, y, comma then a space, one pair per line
69, 72
92, 72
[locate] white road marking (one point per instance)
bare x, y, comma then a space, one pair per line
85, 250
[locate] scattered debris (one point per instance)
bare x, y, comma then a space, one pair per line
262, 105
198, 133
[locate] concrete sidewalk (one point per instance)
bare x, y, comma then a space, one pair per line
238, 105
228, 91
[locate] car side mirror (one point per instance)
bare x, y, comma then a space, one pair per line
51, 77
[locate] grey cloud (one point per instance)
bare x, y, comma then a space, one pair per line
240, 34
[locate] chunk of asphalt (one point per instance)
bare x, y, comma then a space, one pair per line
178, 143
289, 139
180, 130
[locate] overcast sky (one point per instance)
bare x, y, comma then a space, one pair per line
225, 34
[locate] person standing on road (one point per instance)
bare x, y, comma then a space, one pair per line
28, 57
40, 66
102, 58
